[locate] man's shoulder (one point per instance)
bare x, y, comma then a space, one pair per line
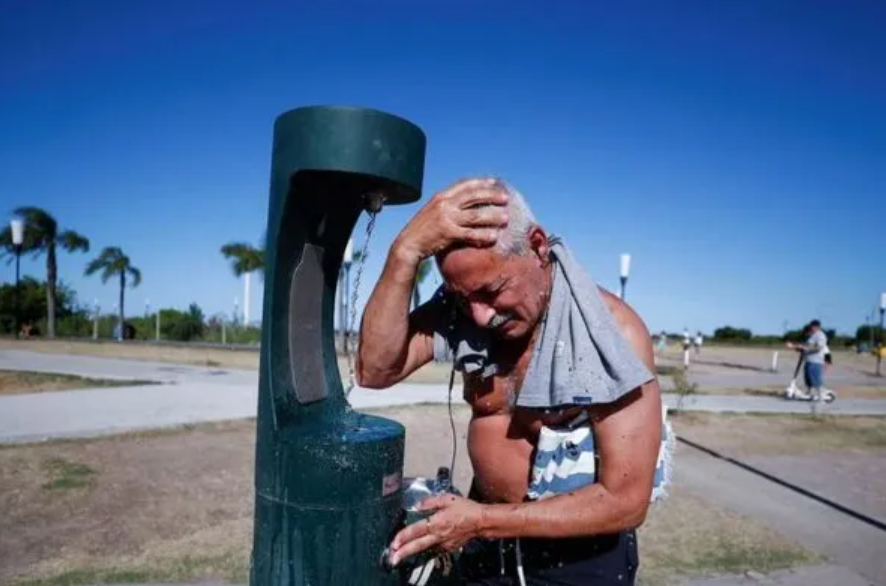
628, 321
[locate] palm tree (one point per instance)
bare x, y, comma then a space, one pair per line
113, 263
424, 269
42, 236
245, 260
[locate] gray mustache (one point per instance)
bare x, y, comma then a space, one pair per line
498, 319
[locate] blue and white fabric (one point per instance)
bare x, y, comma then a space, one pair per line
566, 460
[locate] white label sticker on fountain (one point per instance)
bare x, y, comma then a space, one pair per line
390, 484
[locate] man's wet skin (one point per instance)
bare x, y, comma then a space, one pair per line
504, 284
502, 437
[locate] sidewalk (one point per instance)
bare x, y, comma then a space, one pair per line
191, 394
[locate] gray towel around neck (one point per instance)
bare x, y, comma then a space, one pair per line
580, 356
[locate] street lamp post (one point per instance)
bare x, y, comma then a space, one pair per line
625, 268
17, 227
880, 344
96, 313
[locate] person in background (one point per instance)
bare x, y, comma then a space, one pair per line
828, 360
699, 340
662, 341
813, 350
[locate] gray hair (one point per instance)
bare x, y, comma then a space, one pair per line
514, 239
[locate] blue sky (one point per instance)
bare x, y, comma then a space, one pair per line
736, 149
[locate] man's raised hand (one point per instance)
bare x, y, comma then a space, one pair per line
452, 217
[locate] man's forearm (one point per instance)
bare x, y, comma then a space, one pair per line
590, 511
384, 333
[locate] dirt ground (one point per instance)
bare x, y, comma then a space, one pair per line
839, 458
761, 358
17, 382
177, 506
744, 435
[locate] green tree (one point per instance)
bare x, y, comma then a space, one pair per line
32, 303
245, 258
113, 263
424, 269
728, 333
42, 236
868, 334
183, 326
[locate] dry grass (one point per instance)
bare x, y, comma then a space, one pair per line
216, 357
176, 505
783, 434
247, 359
18, 382
715, 541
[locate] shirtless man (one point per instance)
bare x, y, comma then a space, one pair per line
585, 536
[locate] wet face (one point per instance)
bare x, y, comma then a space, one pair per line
507, 294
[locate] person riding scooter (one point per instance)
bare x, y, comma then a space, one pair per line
813, 358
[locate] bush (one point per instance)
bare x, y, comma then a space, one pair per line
182, 326
728, 333
863, 334
77, 325
682, 387
32, 304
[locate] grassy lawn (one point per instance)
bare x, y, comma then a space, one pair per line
19, 382
176, 506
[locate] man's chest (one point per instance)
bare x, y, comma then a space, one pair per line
497, 395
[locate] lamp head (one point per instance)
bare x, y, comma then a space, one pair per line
18, 231
625, 266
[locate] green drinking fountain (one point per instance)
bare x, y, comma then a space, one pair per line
327, 478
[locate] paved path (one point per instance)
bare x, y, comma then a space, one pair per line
193, 394
189, 394
763, 404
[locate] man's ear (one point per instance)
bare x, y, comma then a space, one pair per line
538, 244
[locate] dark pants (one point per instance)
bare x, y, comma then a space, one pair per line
607, 560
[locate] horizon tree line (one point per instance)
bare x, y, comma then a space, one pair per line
44, 237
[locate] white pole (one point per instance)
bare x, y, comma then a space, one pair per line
775, 361
246, 300
686, 358
224, 336
95, 319
624, 269
157, 333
